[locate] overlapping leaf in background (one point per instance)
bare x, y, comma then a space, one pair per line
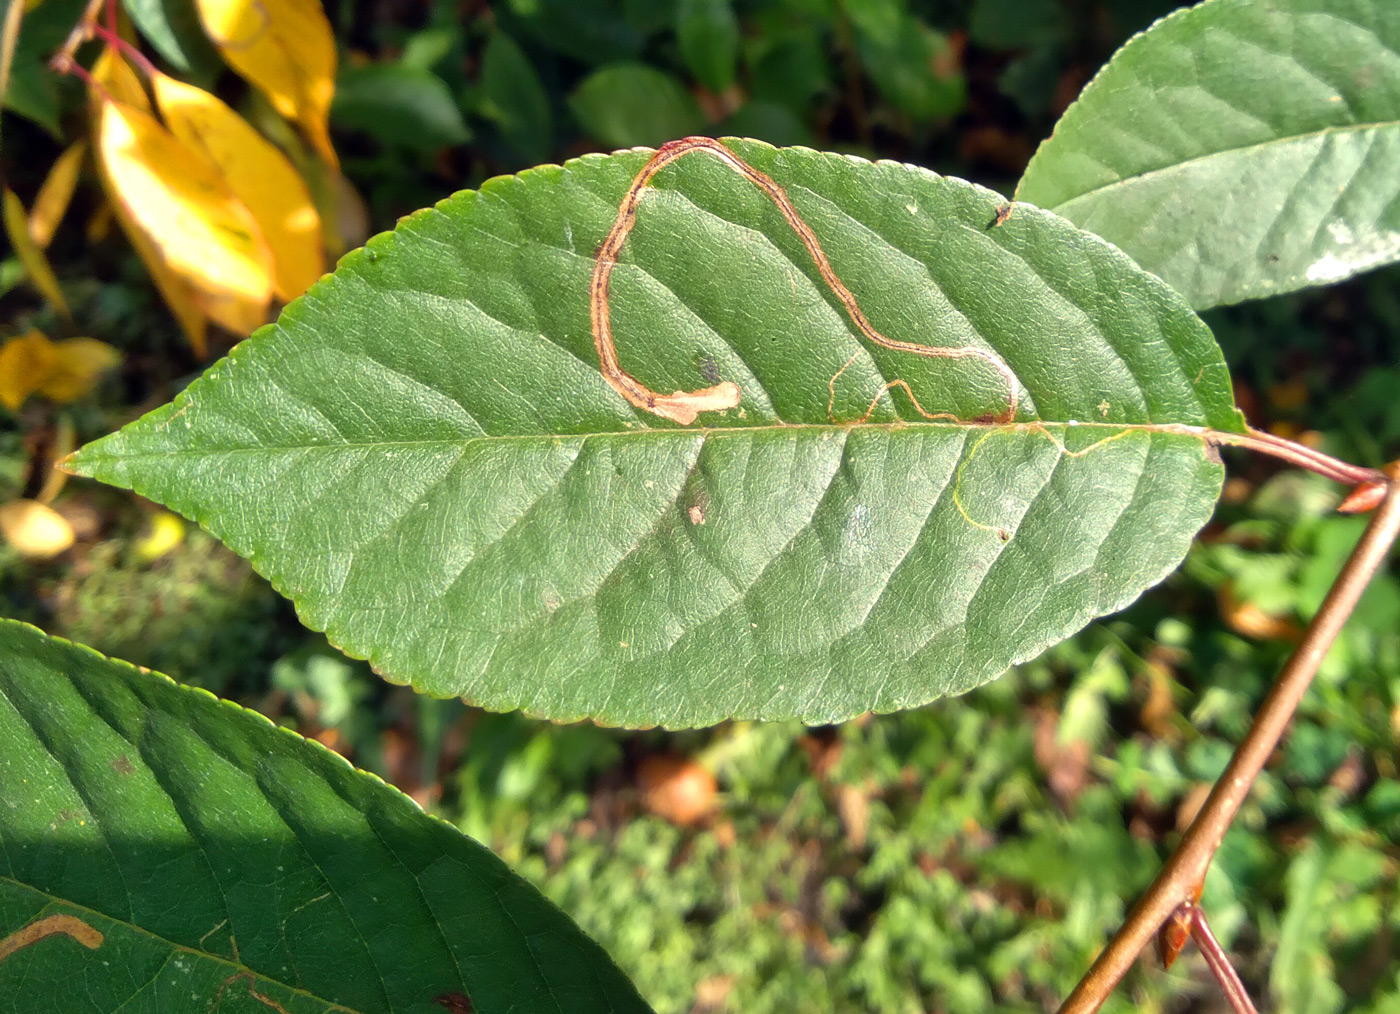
187, 209
219, 215
1239, 148
62, 371
287, 52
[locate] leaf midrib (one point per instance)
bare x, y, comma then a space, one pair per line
81, 459
1188, 163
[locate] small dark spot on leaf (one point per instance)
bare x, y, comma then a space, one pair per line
709, 369
123, 766
1002, 534
1003, 213
1273, 258
457, 1003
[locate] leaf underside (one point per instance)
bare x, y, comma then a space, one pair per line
423, 455
186, 855
1239, 148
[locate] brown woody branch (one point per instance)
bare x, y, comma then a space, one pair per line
1186, 869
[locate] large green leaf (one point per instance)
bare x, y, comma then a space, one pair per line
186, 855
398, 105
632, 103
1240, 148
423, 454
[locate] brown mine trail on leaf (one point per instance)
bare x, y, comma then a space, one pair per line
684, 406
262, 998
870, 409
49, 925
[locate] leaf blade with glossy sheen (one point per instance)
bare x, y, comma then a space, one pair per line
198, 854
1240, 148
423, 455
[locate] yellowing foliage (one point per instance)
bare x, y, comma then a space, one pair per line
284, 49
187, 211
259, 175
36, 265
54, 195
63, 371
34, 530
114, 76
164, 532
178, 294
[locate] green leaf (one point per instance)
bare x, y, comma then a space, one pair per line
423, 454
11, 274
174, 29
1240, 148
915, 69
587, 30
188, 855
513, 96
628, 104
708, 35
33, 90
1016, 24
789, 67
768, 121
398, 106
33, 93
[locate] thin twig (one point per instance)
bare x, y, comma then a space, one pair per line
62, 61
129, 50
1219, 961
1186, 868
9, 38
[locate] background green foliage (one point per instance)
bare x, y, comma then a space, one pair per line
972, 852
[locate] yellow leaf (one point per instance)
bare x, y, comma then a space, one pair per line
117, 81
287, 51
100, 224
63, 371
178, 294
77, 366
25, 363
55, 194
203, 233
164, 533
36, 265
36, 531
259, 175
59, 448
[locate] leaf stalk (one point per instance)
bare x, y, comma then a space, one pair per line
1296, 454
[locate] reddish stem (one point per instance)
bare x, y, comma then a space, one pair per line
1218, 960
126, 48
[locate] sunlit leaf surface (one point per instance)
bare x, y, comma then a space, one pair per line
423, 454
1239, 148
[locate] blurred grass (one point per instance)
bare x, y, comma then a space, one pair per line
971, 855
